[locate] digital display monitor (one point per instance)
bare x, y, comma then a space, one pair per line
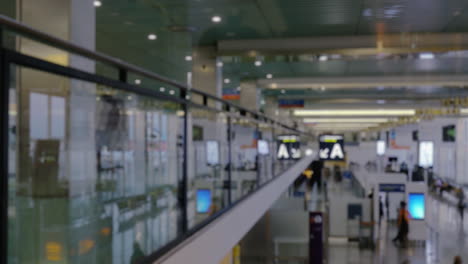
212, 152
426, 154
380, 147
262, 147
448, 133
203, 200
416, 206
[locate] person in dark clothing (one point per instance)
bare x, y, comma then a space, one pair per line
387, 205
316, 167
381, 210
137, 255
403, 225
461, 202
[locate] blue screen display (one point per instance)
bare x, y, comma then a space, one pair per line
416, 206
203, 200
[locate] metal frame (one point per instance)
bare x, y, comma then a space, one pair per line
4, 98
9, 57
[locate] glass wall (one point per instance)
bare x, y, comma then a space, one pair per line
103, 171
94, 172
208, 165
244, 154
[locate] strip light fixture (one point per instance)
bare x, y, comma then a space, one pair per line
345, 120
356, 112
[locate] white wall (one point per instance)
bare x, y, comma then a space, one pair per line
449, 157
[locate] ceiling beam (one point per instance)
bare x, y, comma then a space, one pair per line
348, 45
359, 82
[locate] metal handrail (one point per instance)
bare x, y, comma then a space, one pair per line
48, 39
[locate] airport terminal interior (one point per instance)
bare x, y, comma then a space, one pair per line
233, 131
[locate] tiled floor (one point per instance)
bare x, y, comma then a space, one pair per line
447, 237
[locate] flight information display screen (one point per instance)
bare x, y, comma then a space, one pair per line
416, 206
203, 200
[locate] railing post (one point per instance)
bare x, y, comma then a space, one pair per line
123, 75
4, 98
182, 190
229, 171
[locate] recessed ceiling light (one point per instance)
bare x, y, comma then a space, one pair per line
426, 56
283, 91
219, 64
323, 58
269, 76
227, 80
162, 89
262, 102
97, 3
137, 81
322, 88
171, 92
274, 85
258, 63
188, 58
239, 88
152, 37
216, 19
129, 97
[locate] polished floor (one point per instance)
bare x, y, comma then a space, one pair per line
447, 237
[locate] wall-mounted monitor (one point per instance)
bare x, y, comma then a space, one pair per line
197, 133
212, 152
448, 133
417, 206
426, 154
262, 147
381, 147
203, 201
415, 135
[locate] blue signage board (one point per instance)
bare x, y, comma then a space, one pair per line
391, 187
416, 206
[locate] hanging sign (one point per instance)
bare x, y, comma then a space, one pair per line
289, 147
331, 147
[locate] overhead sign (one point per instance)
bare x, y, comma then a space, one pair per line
391, 187
291, 103
289, 147
331, 147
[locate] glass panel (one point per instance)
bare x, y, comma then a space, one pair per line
265, 152
94, 172
208, 165
245, 173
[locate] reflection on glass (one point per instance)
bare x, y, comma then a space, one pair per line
94, 172
245, 177
208, 165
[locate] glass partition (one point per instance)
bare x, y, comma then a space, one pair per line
94, 172
118, 170
208, 165
244, 163
266, 152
